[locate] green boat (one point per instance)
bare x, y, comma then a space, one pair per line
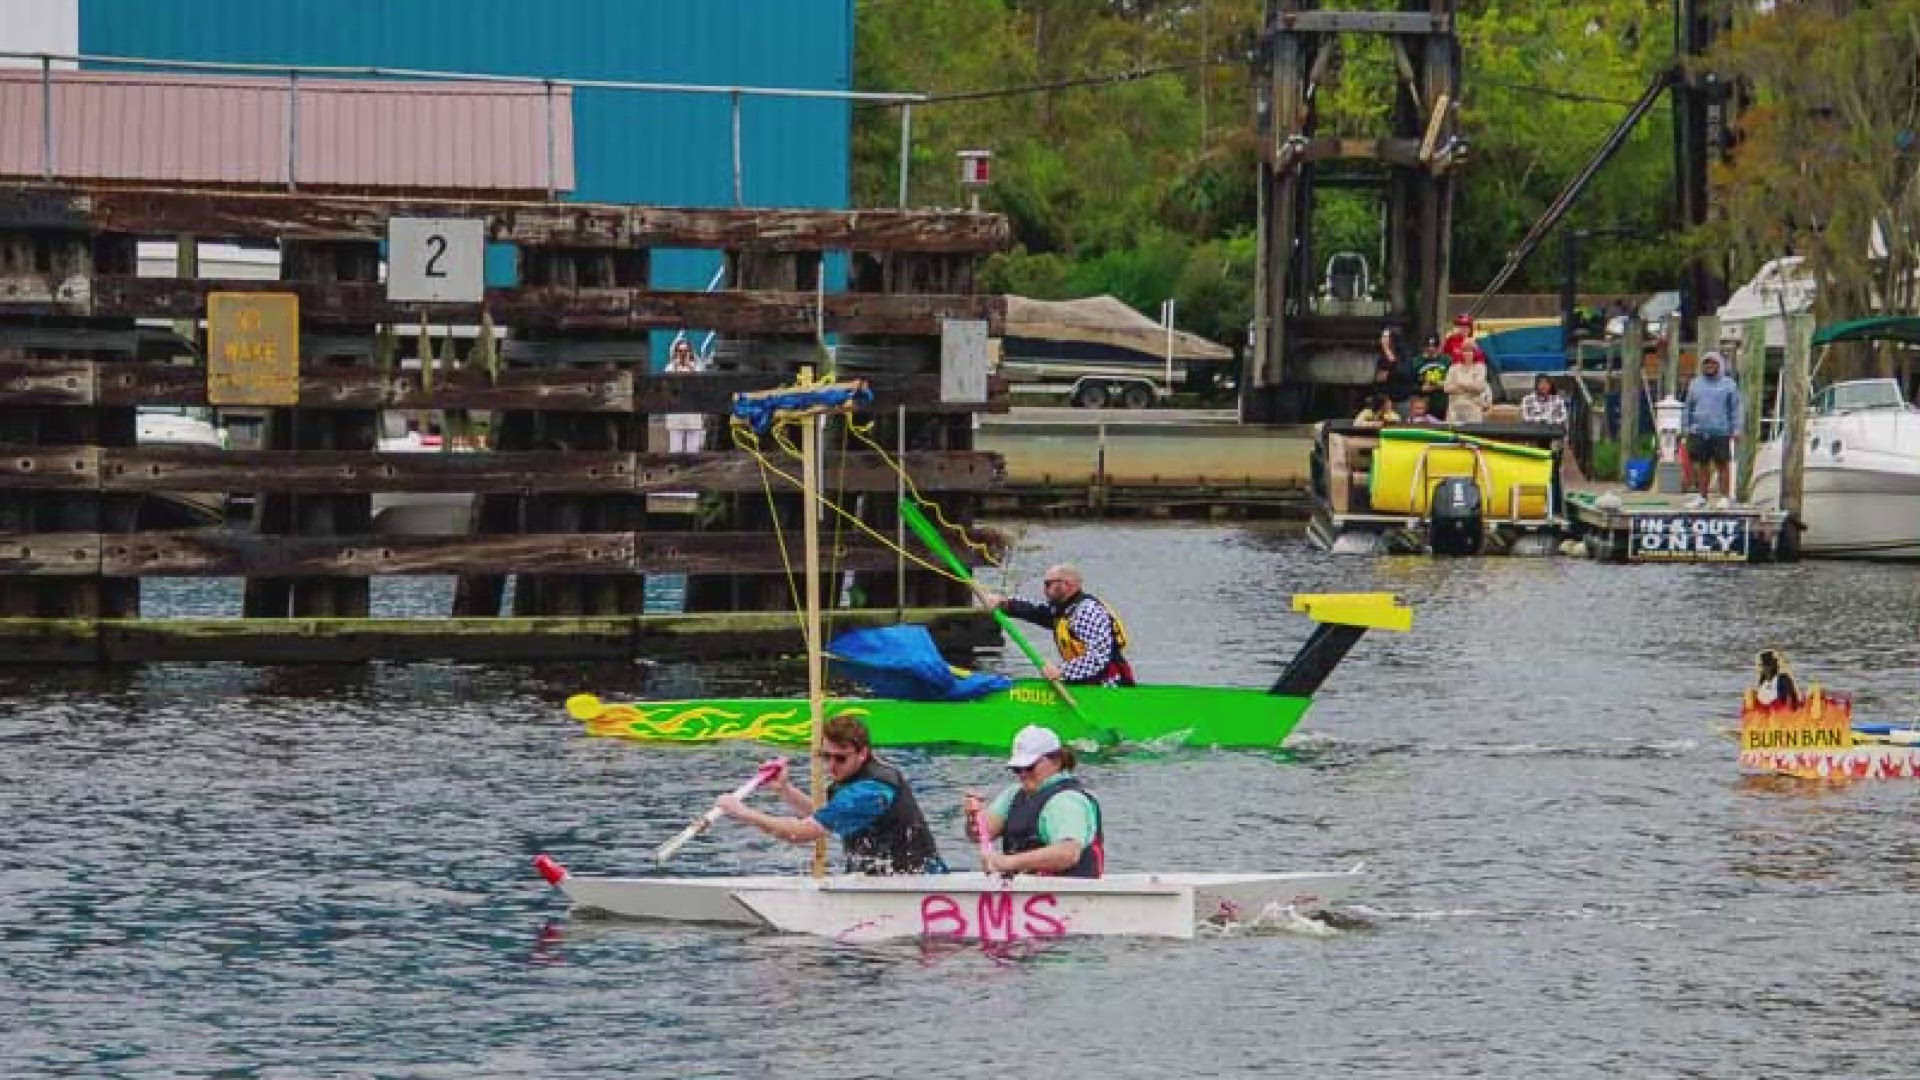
1162, 715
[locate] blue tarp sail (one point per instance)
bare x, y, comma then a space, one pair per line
758, 411
902, 662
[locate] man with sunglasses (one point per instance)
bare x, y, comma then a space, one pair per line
870, 807
1091, 638
1046, 822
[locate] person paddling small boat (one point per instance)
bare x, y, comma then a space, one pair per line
870, 806
1046, 822
1092, 639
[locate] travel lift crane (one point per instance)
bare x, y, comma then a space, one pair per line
1307, 354
1312, 349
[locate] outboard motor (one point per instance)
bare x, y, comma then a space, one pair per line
1454, 525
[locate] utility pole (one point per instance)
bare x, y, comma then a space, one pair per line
1701, 121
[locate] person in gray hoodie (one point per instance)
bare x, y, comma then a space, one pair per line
1711, 418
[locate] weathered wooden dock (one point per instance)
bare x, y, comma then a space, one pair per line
559, 364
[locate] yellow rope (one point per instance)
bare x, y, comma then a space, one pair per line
839, 552
745, 439
913, 491
773, 511
751, 446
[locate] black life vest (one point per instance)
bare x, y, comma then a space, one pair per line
1117, 671
1022, 829
898, 841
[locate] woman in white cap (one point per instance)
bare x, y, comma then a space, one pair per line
1046, 822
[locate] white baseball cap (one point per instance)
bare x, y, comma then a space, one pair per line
1033, 743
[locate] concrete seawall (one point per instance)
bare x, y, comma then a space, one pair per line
1138, 457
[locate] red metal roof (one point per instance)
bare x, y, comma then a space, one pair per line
347, 133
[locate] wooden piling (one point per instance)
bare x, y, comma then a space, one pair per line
1753, 392
1632, 380
1793, 455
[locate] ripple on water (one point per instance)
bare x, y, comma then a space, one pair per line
321, 871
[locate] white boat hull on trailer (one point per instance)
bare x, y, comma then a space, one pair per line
965, 906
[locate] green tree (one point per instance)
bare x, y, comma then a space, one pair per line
1544, 84
1144, 185
1825, 162
1214, 296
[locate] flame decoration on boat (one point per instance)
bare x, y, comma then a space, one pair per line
1815, 739
689, 722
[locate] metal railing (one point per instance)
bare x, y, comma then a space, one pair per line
294, 72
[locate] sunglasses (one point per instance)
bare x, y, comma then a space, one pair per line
837, 756
1053, 581
1020, 770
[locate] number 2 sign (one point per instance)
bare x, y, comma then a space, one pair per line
436, 259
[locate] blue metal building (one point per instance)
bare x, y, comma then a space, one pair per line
629, 146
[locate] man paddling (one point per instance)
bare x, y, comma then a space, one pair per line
870, 807
1091, 638
1046, 822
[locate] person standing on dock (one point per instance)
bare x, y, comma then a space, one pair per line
1459, 339
1091, 637
1468, 393
870, 807
1046, 822
1379, 410
1710, 419
686, 432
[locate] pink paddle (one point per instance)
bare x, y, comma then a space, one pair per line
767, 773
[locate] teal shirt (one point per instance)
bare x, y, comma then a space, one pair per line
1067, 816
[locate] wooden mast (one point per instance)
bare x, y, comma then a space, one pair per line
809, 496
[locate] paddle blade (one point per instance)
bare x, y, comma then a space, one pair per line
666, 851
585, 707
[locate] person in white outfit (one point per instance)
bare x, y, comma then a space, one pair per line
686, 432
1468, 393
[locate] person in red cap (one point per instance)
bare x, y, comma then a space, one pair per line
1459, 340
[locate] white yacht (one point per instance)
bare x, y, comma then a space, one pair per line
1862, 487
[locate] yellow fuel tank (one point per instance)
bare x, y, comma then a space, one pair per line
1409, 463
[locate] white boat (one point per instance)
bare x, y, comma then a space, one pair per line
1861, 493
1781, 288
417, 513
992, 908
162, 425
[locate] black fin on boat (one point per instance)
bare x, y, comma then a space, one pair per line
1324, 650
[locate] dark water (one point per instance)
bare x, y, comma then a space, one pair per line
234, 871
